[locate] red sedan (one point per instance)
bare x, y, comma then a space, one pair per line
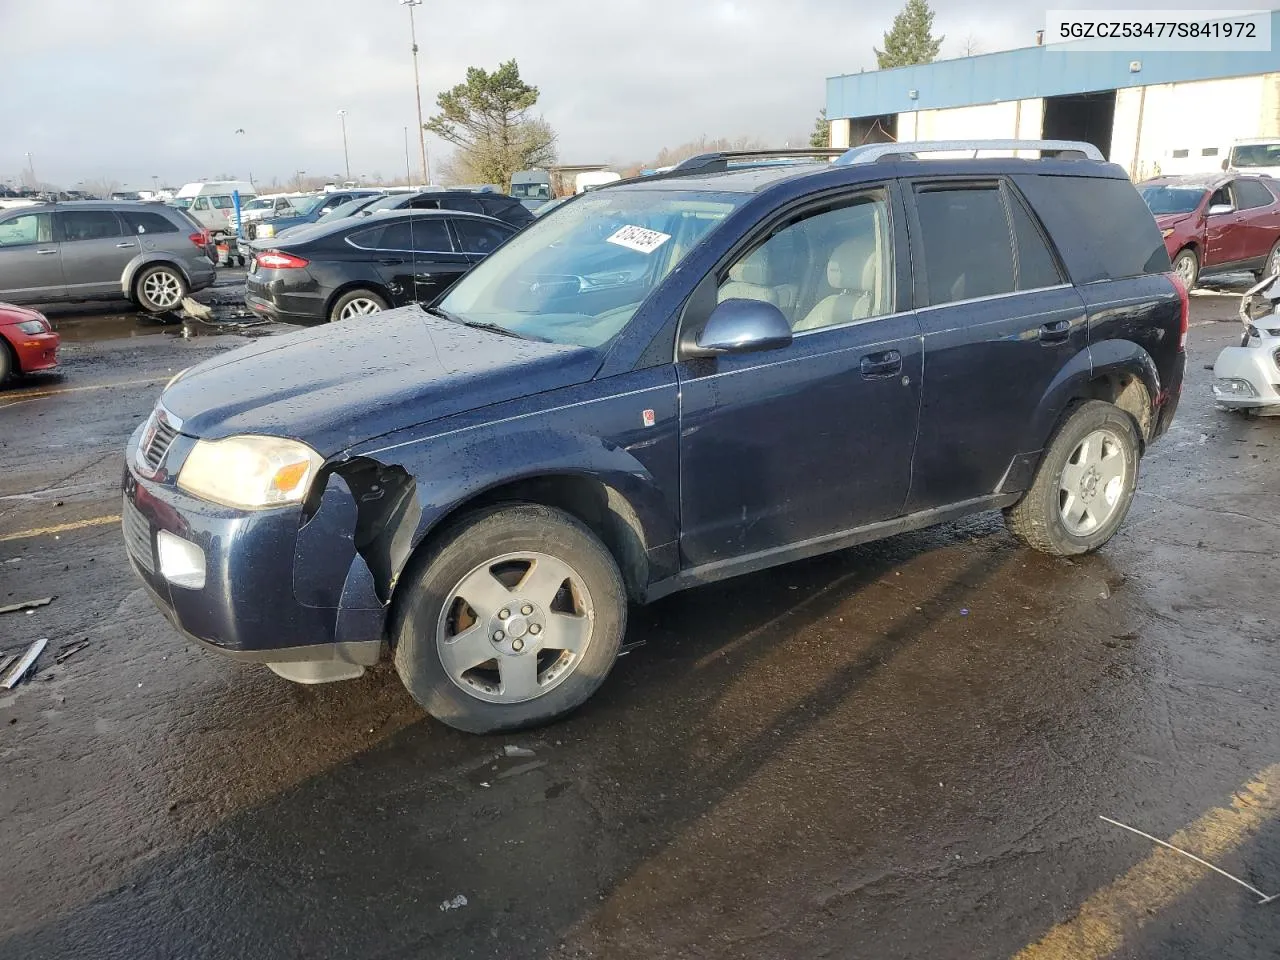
27, 341
1217, 223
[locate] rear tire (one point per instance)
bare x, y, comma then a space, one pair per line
1273, 262
513, 619
160, 289
355, 304
1084, 485
1187, 265
8, 363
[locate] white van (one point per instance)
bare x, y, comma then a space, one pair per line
1254, 156
594, 178
210, 202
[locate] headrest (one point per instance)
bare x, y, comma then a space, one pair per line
756, 269
853, 265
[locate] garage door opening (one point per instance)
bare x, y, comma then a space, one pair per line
883, 129
1081, 116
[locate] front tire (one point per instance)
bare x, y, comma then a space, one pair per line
1187, 266
355, 304
8, 363
513, 619
160, 289
1084, 486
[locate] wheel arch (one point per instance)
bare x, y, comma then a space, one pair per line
129, 279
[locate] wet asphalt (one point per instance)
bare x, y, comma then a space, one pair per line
900, 750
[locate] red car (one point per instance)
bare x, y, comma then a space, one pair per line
27, 341
1217, 223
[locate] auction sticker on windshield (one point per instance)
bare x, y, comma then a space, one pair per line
639, 238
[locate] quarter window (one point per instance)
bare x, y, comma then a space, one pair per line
140, 222
1036, 264
965, 237
201, 203
822, 269
25, 229
88, 225
1250, 194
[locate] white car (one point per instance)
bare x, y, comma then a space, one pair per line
1247, 377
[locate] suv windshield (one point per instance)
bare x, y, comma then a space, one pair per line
578, 276
1256, 155
345, 210
1165, 199
304, 205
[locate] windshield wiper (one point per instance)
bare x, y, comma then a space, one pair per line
480, 325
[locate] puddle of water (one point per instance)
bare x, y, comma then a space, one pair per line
83, 329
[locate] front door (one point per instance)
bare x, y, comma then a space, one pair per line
30, 263
1000, 323
95, 251
815, 438
1222, 230
416, 256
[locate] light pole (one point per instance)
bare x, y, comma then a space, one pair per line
417, 88
155, 180
342, 115
31, 164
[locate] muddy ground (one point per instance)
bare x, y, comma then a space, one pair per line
901, 750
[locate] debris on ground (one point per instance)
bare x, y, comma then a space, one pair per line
24, 664
66, 653
456, 903
5, 660
196, 310
27, 605
514, 751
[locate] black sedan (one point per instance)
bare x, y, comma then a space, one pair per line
350, 268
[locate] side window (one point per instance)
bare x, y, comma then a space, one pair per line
424, 203
420, 235
479, 237
139, 222
465, 204
26, 229
1250, 194
222, 203
87, 225
333, 204
965, 237
201, 203
823, 268
1221, 198
1037, 266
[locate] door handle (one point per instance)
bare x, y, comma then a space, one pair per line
887, 364
391, 262
1056, 331
45, 253
124, 246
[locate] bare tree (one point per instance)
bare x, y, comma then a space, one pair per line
970, 47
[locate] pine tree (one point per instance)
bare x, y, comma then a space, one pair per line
821, 136
910, 40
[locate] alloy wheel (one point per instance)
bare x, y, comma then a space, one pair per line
359, 307
162, 289
1092, 483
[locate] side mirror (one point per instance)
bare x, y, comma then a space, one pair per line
1218, 209
1226, 164
741, 326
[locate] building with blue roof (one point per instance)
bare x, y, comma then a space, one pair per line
1151, 112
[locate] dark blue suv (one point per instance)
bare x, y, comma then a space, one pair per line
665, 382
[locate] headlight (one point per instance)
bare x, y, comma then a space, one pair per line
34, 326
1166, 232
266, 230
253, 473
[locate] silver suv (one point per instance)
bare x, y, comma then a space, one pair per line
149, 253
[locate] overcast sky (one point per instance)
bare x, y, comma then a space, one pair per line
124, 89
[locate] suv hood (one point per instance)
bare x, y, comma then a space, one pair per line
340, 384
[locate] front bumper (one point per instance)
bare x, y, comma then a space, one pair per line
36, 351
278, 591
1248, 378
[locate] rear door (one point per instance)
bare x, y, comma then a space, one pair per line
1000, 323
1258, 218
417, 255
30, 264
96, 247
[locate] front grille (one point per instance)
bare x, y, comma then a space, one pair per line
157, 438
137, 536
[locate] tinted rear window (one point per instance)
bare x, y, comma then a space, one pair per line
965, 235
140, 221
1102, 228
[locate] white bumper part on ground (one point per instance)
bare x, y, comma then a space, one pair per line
1248, 377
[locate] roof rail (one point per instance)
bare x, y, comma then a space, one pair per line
871, 152
720, 160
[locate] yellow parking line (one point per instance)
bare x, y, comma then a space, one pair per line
37, 394
60, 528
1157, 882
